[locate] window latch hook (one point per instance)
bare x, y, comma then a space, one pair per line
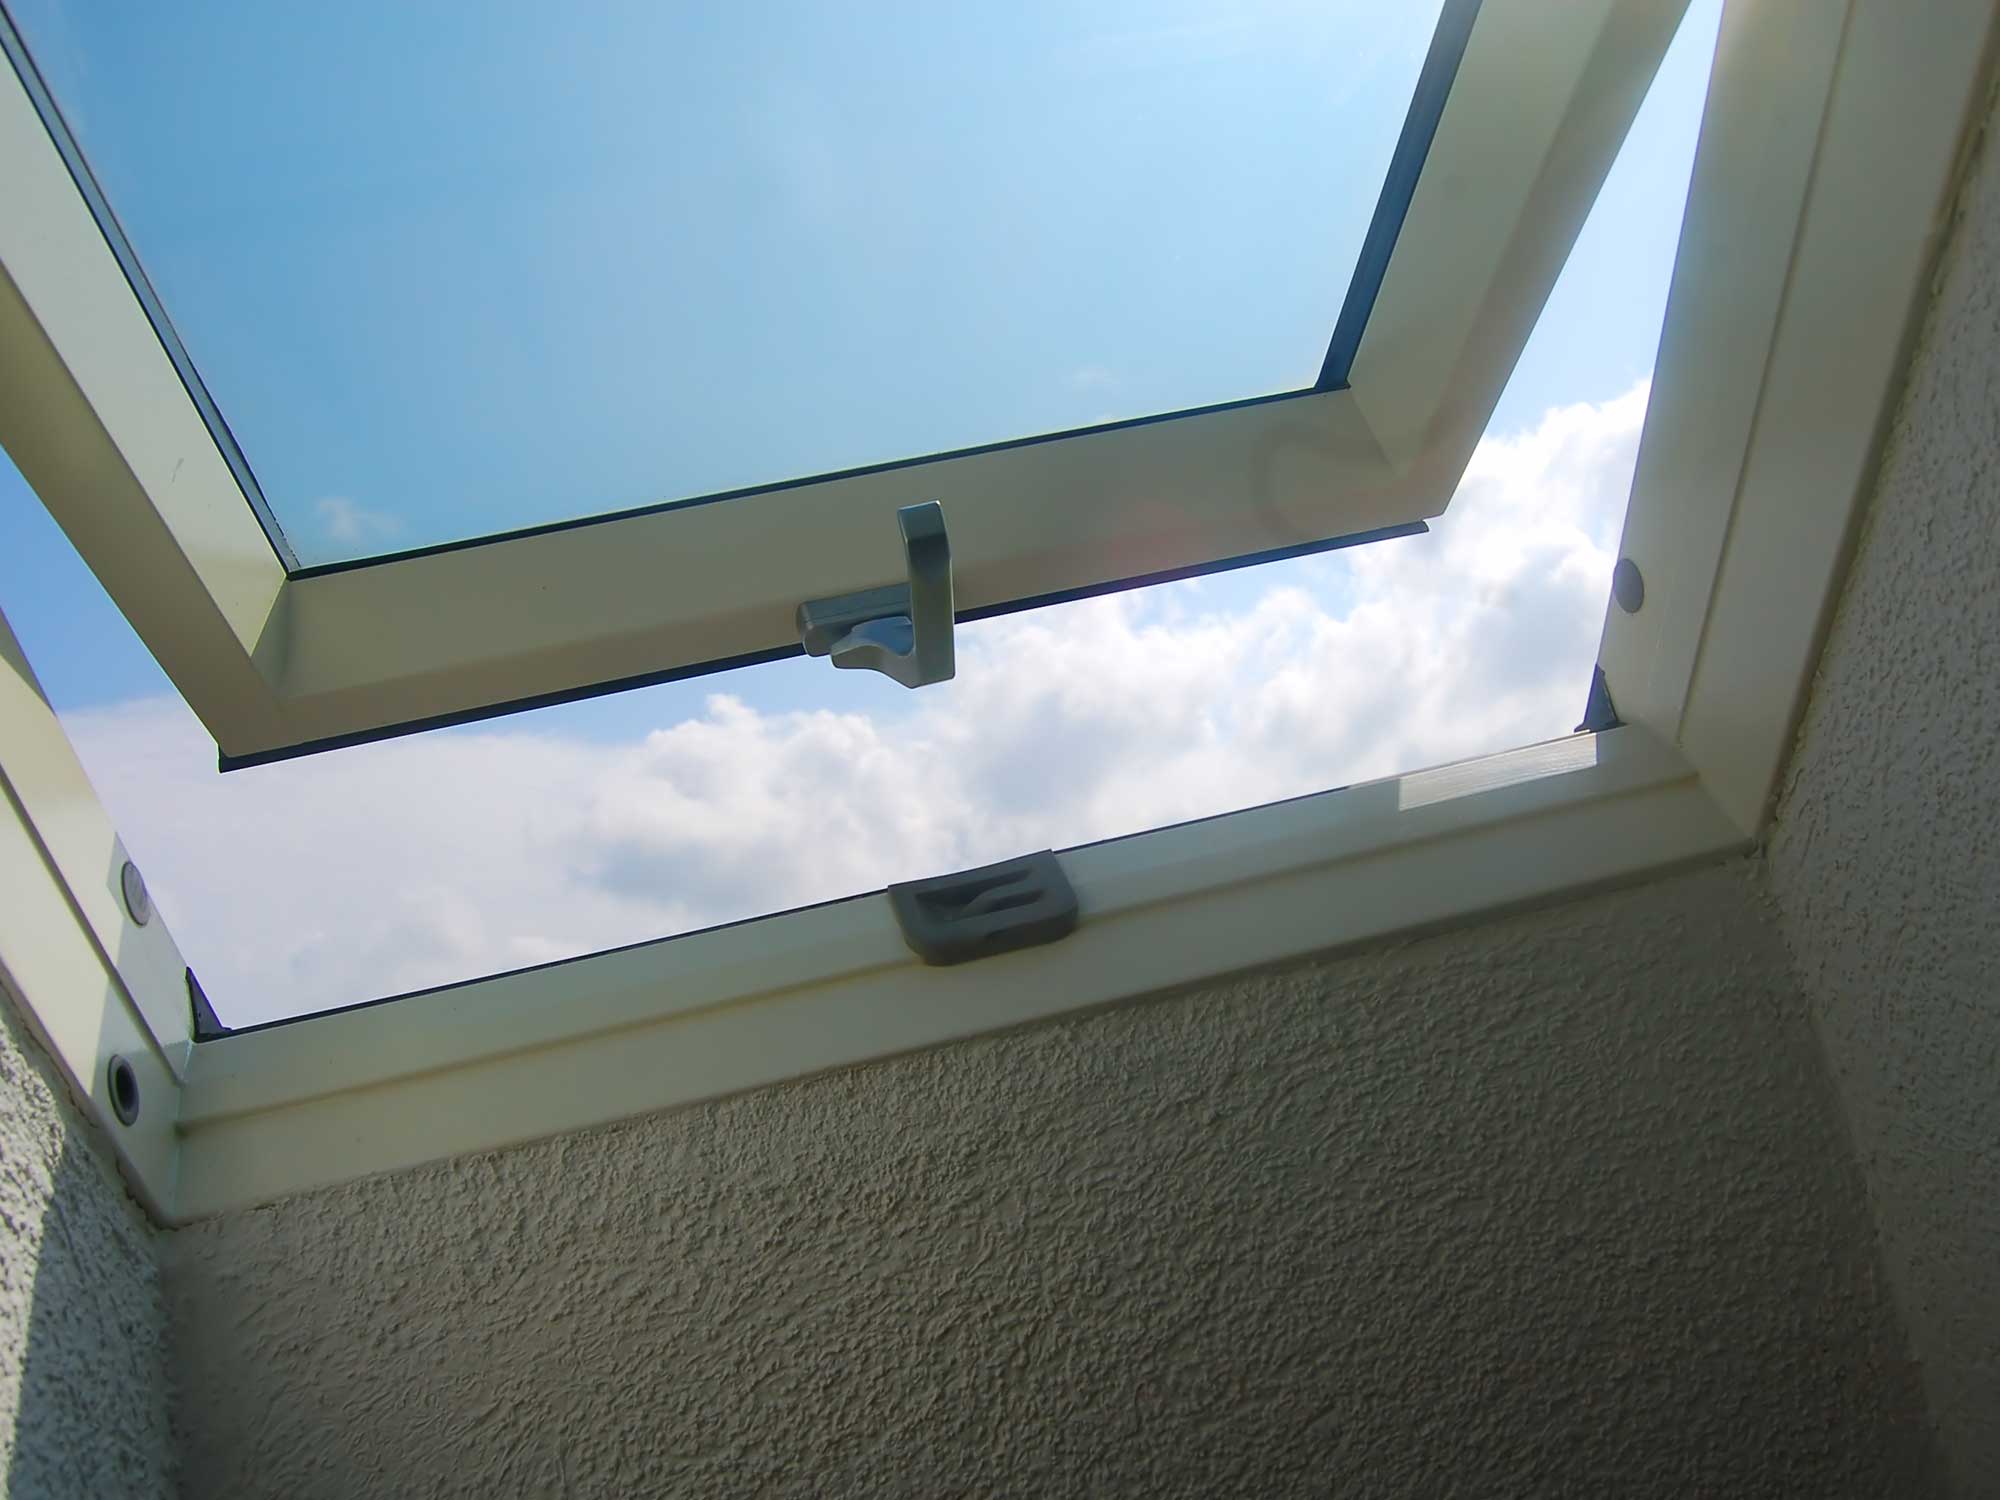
902, 630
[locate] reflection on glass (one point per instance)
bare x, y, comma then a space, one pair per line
452, 270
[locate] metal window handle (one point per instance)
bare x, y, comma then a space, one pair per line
902, 630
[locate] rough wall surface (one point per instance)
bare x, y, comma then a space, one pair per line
1556, 1205
1885, 857
84, 1379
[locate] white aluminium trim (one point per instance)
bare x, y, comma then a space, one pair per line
1495, 217
97, 421
91, 982
1768, 90
46, 782
845, 939
1822, 188
672, 1023
1913, 87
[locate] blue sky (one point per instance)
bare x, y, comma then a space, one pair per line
362, 362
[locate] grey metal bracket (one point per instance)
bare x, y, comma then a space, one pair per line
207, 1025
1017, 903
1599, 714
902, 630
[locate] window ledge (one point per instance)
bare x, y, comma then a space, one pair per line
570, 1045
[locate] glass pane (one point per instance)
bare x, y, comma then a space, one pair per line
450, 270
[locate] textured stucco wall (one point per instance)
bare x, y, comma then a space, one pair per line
1885, 858
84, 1378
1557, 1205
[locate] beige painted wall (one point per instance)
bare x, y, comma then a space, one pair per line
1886, 854
1560, 1204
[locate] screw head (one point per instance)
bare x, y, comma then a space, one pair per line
1628, 585
121, 1082
138, 902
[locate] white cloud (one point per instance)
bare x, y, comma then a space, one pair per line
344, 521
426, 860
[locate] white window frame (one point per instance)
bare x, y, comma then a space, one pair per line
1822, 189
275, 660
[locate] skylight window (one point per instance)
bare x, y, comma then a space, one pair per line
452, 271
298, 888
1831, 142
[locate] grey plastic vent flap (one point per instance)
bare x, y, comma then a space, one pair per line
1017, 903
